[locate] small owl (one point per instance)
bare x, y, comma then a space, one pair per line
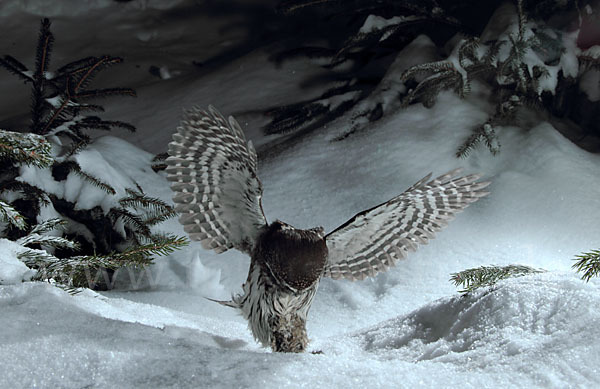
213, 174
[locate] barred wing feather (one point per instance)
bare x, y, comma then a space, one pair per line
375, 239
212, 170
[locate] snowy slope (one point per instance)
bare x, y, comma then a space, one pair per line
521, 334
408, 327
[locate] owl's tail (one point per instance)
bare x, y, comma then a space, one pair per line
230, 303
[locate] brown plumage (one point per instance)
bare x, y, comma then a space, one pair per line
213, 171
295, 257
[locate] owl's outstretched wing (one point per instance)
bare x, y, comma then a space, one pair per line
212, 170
375, 239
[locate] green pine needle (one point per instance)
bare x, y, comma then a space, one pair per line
94, 181
47, 240
11, 216
82, 271
588, 264
154, 207
475, 278
29, 149
49, 225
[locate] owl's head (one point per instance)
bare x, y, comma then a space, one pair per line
320, 231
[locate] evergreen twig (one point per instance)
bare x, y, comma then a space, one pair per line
40, 74
588, 264
29, 149
15, 67
156, 210
73, 166
484, 133
475, 278
82, 271
49, 225
8, 214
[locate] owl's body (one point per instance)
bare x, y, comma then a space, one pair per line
284, 274
213, 171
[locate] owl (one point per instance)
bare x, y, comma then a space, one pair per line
213, 174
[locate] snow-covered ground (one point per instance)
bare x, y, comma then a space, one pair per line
405, 328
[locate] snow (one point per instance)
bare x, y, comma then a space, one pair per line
496, 338
500, 330
12, 270
407, 327
374, 22
109, 159
420, 50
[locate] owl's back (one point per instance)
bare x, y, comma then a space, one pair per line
295, 258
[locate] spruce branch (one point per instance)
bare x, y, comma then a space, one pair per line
29, 149
161, 246
8, 214
36, 259
94, 122
42, 62
454, 73
430, 67
105, 92
84, 75
289, 117
155, 209
314, 112
78, 144
139, 212
366, 39
47, 240
73, 166
484, 133
36, 236
588, 264
28, 191
431, 86
49, 225
475, 278
16, 67
83, 271
44, 48
133, 221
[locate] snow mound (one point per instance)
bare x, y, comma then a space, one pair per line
73, 341
540, 326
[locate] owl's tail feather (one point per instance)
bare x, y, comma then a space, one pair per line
230, 303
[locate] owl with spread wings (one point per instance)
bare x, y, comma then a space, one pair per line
213, 174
